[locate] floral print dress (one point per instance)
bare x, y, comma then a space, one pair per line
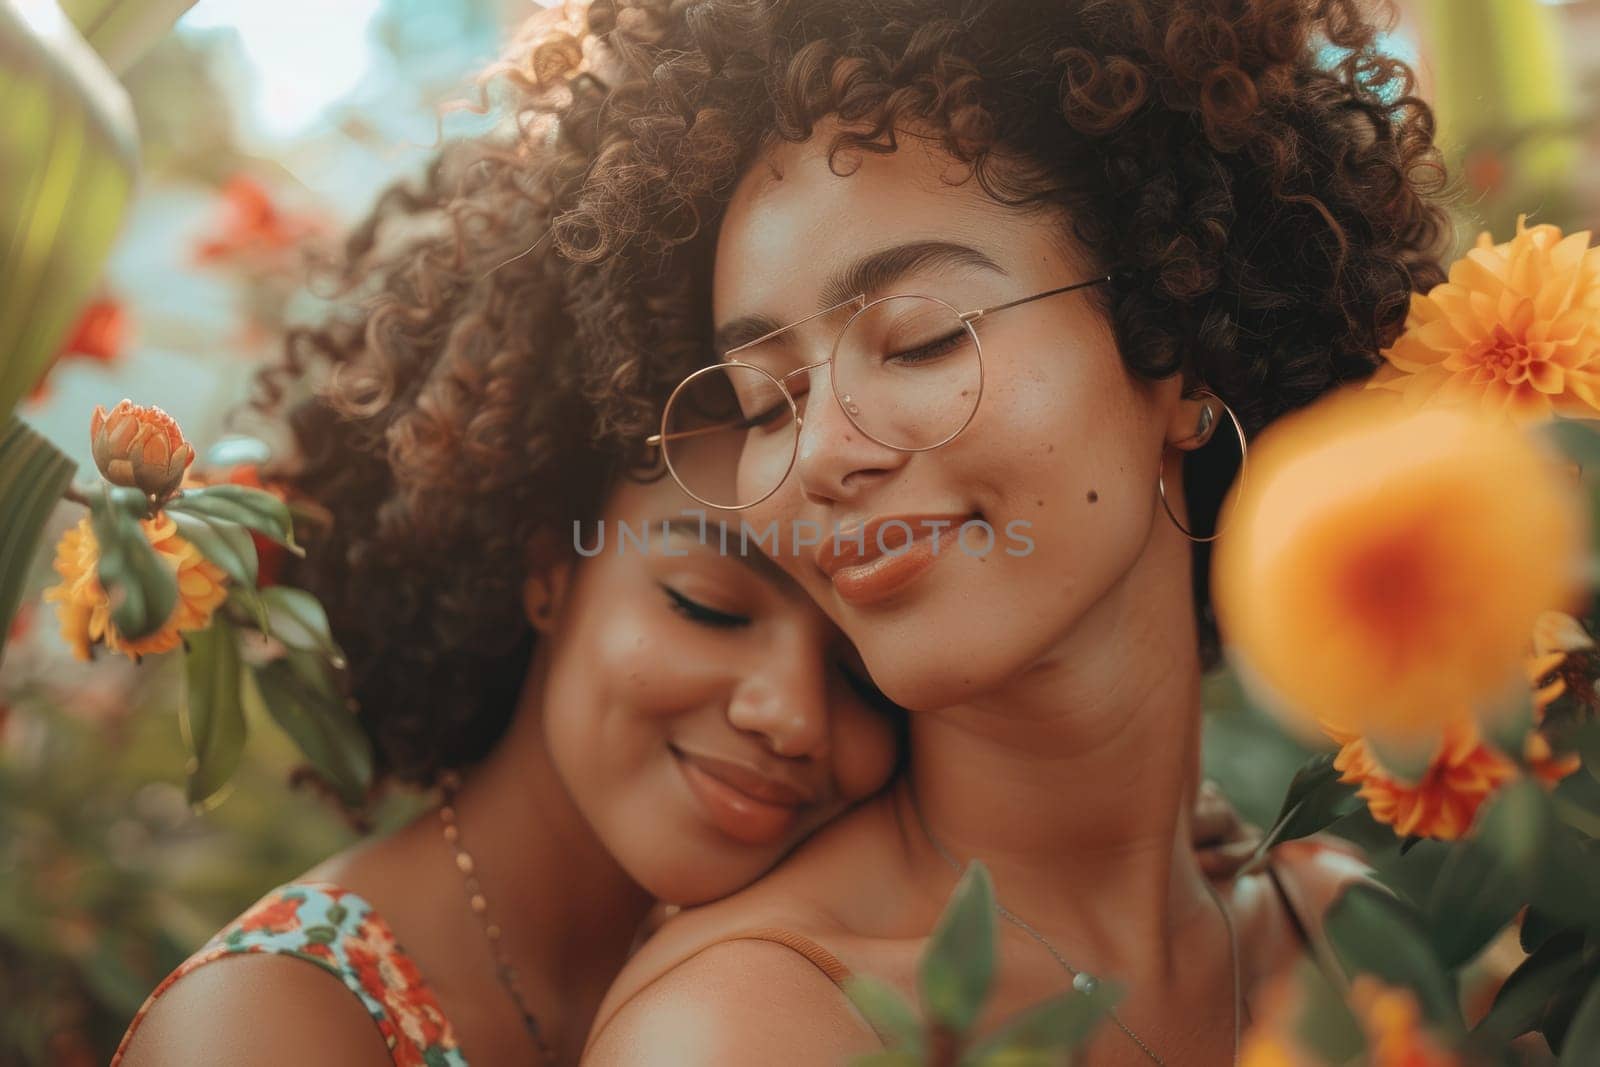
332, 928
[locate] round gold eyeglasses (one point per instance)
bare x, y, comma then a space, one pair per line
906, 370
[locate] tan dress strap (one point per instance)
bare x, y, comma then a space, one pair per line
819, 957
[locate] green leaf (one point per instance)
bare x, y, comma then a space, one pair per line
254, 509
33, 475
1537, 928
1374, 933
887, 1059
1486, 879
123, 30
69, 156
213, 710
142, 587
227, 544
296, 693
888, 1012
1325, 1026
1315, 800
958, 965
1016, 1058
1059, 1025
1522, 999
1581, 1045
1578, 440
247, 605
296, 618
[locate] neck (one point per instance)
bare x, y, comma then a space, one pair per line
1074, 782
567, 911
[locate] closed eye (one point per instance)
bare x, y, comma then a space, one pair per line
927, 353
697, 612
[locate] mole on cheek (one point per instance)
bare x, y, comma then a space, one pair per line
1093, 496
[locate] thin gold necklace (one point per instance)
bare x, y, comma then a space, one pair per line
449, 785
1082, 981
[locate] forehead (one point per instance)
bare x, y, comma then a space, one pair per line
792, 221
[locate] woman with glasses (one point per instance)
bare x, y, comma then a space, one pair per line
617, 706
974, 268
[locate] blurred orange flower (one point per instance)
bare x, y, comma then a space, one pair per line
85, 610
252, 229
1270, 1041
1444, 800
1515, 331
139, 446
1383, 568
1393, 1025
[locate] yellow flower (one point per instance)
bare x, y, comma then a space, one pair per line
1382, 569
85, 610
1515, 331
1443, 802
139, 446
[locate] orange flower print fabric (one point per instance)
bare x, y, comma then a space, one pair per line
336, 930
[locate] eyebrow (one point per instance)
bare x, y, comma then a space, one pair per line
871, 273
757, 561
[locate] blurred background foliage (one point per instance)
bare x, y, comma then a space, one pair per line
266, 128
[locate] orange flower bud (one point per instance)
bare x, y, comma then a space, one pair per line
140, 447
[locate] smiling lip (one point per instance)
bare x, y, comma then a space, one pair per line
867, 573
743, 803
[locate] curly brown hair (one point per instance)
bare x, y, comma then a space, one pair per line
440, 419
1258, 173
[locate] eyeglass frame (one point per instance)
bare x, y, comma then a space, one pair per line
967, 318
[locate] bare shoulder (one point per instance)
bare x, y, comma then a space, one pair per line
751, 956
734, 1003
256, 1010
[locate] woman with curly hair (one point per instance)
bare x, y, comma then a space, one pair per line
619, 705
978, 265
616, 711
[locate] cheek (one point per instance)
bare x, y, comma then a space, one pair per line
644, 672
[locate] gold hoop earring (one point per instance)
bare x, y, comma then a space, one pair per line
1206, 419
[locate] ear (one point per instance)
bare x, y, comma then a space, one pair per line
1194, 419
544, 591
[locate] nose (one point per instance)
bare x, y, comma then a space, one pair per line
785, 702
833, 458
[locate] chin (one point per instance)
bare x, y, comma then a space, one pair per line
693, 878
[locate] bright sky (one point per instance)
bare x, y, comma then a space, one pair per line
305, 53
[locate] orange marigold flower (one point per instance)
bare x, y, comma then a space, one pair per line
85, 610
1382, 569
1393, 1025
1515, 331
1441, 803
139, 446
